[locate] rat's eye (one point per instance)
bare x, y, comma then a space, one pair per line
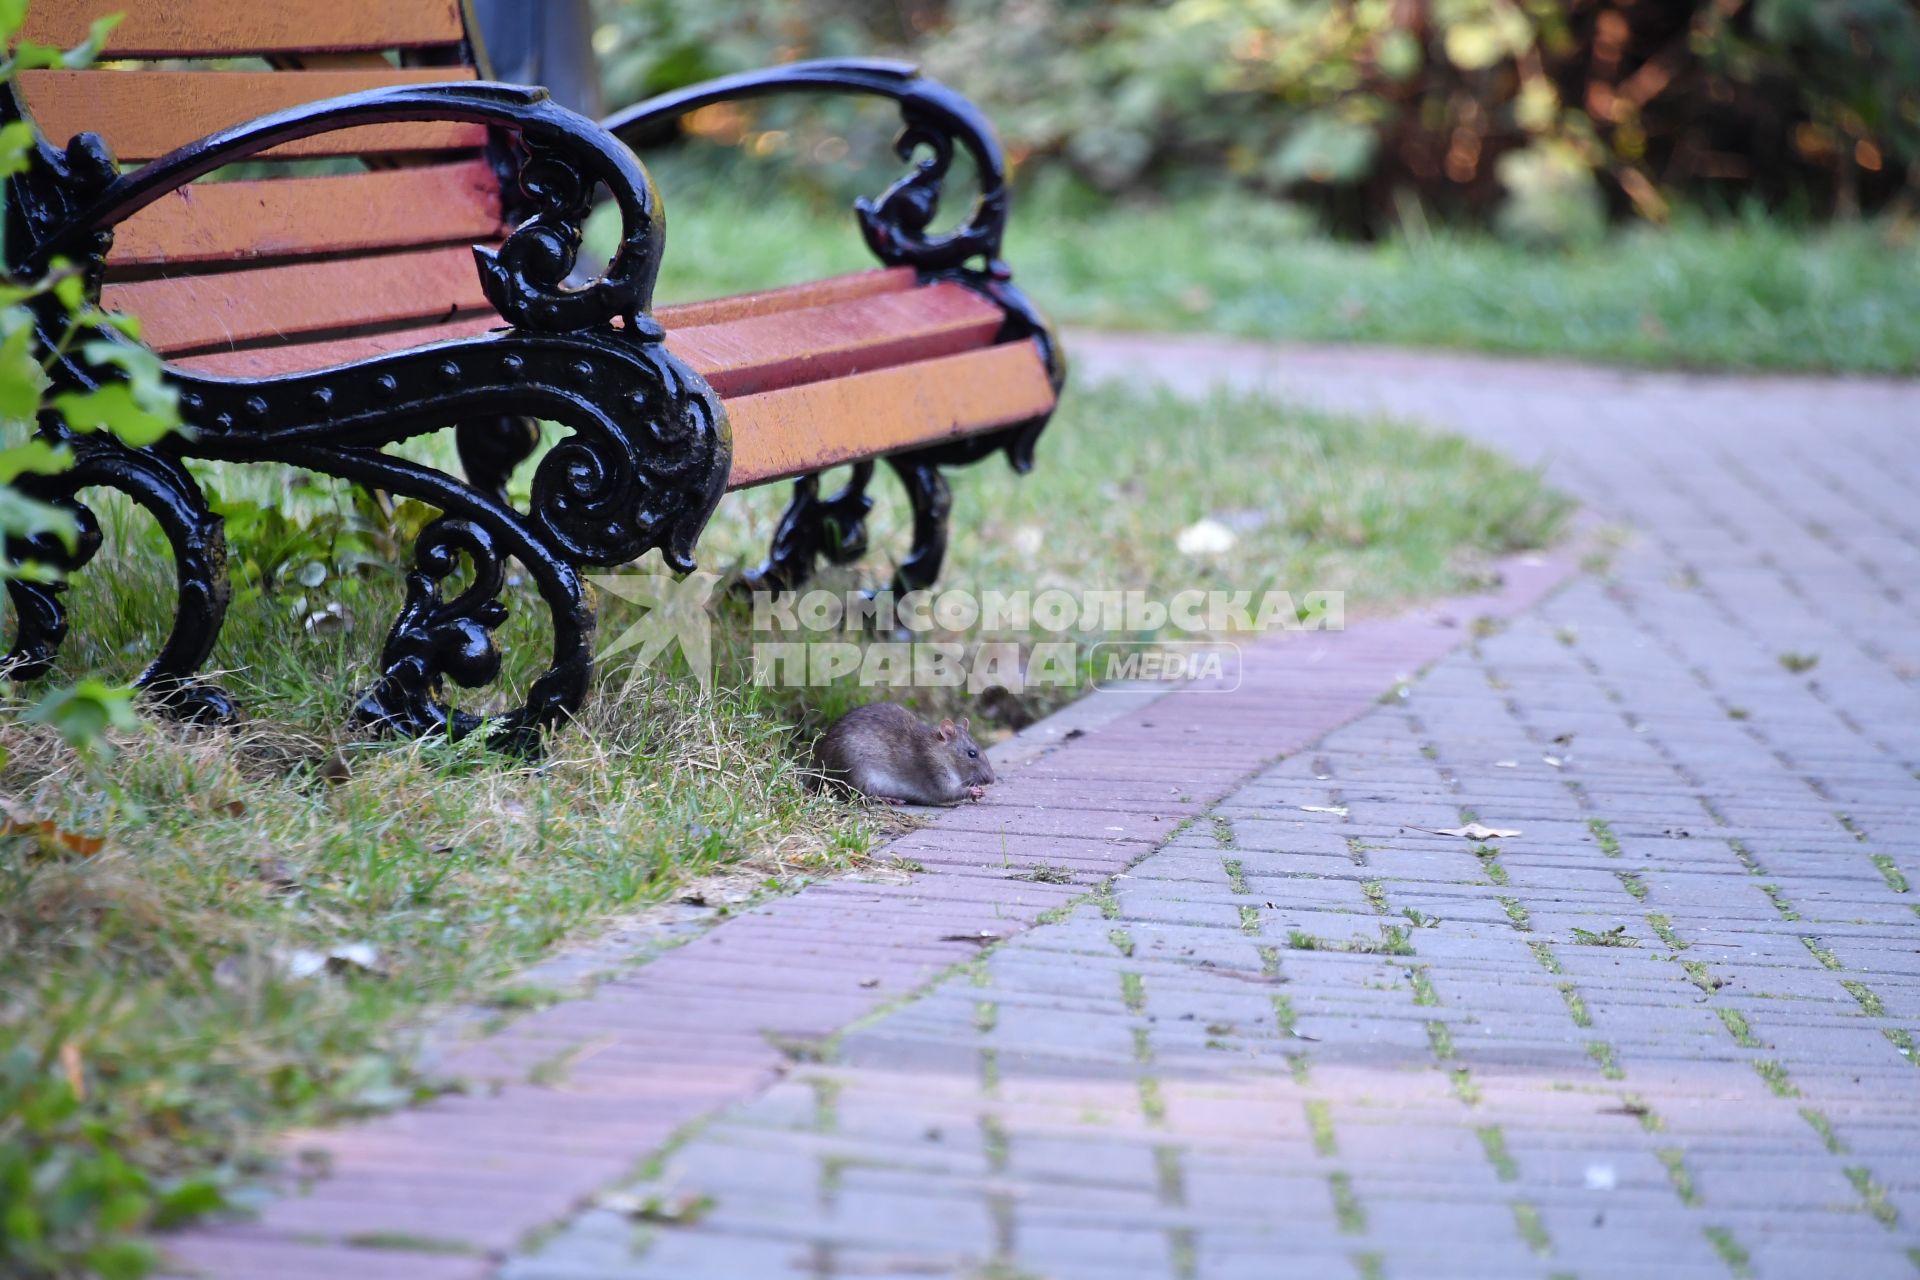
972, 754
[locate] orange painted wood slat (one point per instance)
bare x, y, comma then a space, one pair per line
287, 217
738, 358
187, 313
226, 28
741, 357
778, 434
814, 293
144, 114
298, 357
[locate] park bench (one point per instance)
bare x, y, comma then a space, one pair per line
318, 319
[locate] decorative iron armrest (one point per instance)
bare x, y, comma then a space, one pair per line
935, 116
565, 156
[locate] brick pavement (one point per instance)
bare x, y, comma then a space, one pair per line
1276, 1026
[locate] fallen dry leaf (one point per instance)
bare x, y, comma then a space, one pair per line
1477, 831
70, 1066
1339, 809
51, 837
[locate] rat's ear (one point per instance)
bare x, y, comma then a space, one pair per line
966, 724
945, 731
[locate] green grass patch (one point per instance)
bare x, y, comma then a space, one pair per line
1731, 1252
1663, 929
1617, 936
1824, 1127
1422, 980
1776, 1077
1236, 875
1870, 1003
1347, 1209
1153, 1104
1603, 832
1744, 293
1284, 1016
1896, 879
1490, 863
1701, 976
1822, 953
1674, 1160
1873, 1196
1393, 941
1739, 1028
1532, 1227
1494, 1143
1320, 1125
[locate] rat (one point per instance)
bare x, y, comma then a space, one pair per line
886, 753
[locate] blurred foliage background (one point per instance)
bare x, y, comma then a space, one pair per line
1545, 121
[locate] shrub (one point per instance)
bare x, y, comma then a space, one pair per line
1537, 113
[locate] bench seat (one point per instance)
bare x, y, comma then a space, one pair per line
425, 276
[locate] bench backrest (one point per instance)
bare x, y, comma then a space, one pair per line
222, 264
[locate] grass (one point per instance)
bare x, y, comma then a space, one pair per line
1729, 292
150, 982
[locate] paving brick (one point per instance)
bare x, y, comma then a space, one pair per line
1169, 1083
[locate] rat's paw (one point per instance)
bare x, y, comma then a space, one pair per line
978, 793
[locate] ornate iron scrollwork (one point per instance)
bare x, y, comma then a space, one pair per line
935, 117
644, 467
814, 527
937, 123
163, 488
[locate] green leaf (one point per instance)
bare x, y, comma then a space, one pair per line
24, 517
22, 380
191, 1198
1398, 53
122, 1260
1324, 148
113, 407
12, 14
83, 54
83, 713
30, 56
16, 146
33, 457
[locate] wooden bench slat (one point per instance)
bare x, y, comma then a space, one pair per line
299, 357
813, 293
780, 434
289, 217
226, 28
188, 313
763, 353
739, 357
144, 114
